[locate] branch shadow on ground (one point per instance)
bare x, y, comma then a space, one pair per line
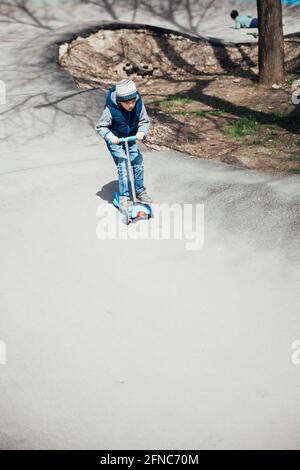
184, 15
221, 54
197, 93
22, 12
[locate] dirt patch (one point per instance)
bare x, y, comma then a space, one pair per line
204, 99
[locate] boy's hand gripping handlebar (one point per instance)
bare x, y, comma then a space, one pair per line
125, 139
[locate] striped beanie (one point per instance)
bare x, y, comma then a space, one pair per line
126, 90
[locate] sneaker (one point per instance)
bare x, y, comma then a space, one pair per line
144, 197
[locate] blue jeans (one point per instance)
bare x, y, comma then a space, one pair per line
119, 155
254, 23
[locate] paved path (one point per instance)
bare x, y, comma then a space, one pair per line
135, 344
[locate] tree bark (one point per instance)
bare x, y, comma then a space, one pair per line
271, 42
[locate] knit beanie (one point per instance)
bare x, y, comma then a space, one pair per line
126, 90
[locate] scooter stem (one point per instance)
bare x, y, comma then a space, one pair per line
129, 167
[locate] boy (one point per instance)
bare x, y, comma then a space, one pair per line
243, 21
125, 115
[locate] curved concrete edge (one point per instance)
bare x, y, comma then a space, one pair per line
73, 30
292, 35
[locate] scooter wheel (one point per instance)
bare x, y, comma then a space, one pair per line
125, 217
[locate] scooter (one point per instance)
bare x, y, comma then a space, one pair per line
138, 210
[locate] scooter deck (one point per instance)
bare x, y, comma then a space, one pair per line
138, 211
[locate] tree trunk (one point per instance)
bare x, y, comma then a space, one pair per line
271, 42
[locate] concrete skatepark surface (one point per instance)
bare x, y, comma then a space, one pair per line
136, 344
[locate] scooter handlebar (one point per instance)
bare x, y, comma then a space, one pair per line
124, 139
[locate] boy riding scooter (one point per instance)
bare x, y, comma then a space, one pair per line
125, 115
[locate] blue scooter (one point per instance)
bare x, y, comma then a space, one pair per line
138, 209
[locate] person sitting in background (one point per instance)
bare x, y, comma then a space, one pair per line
243, 21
